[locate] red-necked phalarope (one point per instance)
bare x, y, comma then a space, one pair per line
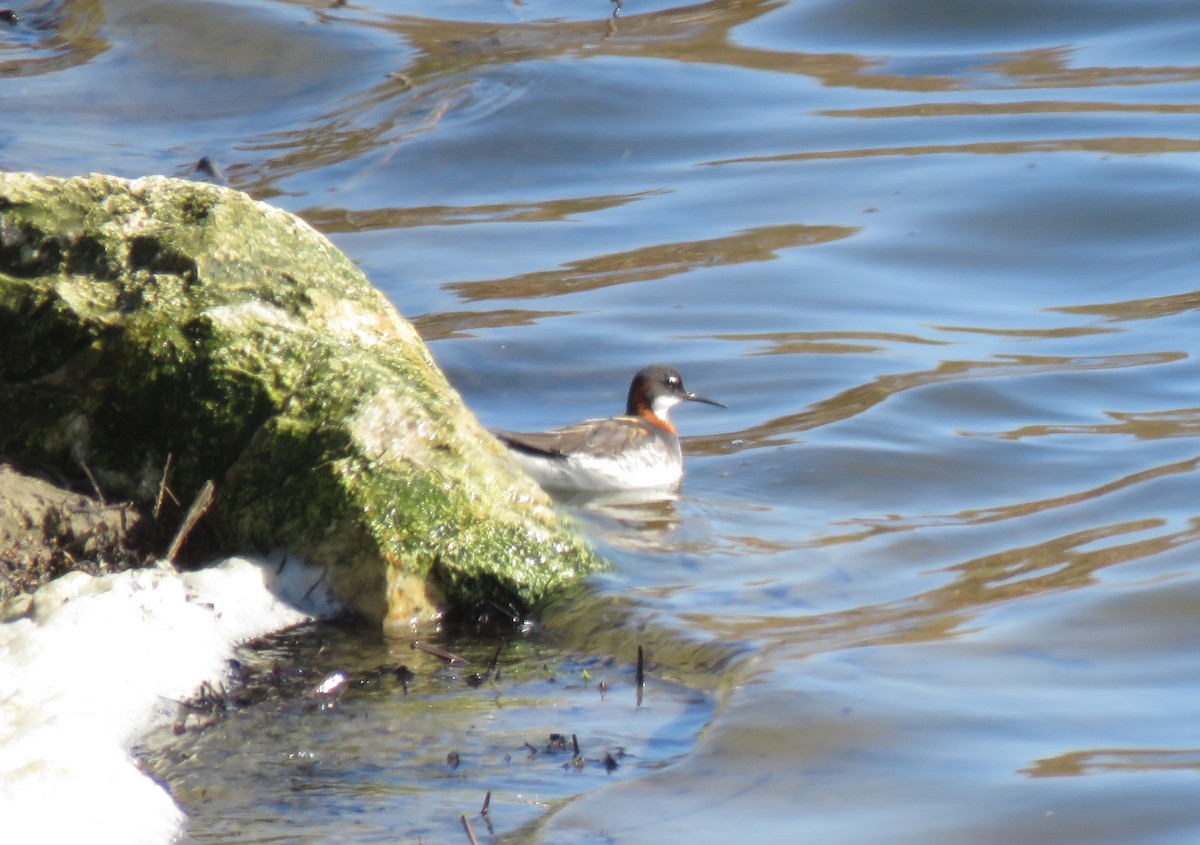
636, 451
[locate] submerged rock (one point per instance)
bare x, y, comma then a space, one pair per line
156, 318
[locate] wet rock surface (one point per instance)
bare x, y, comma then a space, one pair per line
163, 334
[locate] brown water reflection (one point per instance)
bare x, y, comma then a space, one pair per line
858, 399
544, 211
1039, 334
1140, 309
652, 263
1051, 68
1149, 425
1067, 562
1113, 146
52, 37
983, 516
1105, 760
1009, 107
798, 343
445, 325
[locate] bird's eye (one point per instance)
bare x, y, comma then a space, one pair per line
672, 380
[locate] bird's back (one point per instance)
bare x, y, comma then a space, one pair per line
603, 454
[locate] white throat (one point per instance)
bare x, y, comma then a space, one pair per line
663, 404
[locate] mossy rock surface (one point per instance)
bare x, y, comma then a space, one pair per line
154, 317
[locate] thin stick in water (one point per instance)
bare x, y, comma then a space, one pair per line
640, 676
203, 501
441, 653
162, 485
495, 657
315, 584
88, 472
470, 833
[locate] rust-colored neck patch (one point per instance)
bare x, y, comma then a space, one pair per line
643, 411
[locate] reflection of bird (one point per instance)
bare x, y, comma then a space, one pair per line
638, 450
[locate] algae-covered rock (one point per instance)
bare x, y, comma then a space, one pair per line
156, 317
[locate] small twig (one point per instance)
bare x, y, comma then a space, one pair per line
315, 584
577, 761
449, 657
470, 833
162, 485
487, 800
640, 675
509, 611
95, 486
492, 663
203, 501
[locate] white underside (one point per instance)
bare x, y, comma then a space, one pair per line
584, 473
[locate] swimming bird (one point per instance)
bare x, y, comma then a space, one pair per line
636, 451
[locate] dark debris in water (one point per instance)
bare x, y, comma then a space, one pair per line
312, 680
208, 169
440, 653
297, 666
261, 677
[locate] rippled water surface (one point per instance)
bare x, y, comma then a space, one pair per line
932, 577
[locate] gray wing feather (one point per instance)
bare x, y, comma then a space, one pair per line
597, 437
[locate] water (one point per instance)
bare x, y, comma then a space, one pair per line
386, 760
932, 575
